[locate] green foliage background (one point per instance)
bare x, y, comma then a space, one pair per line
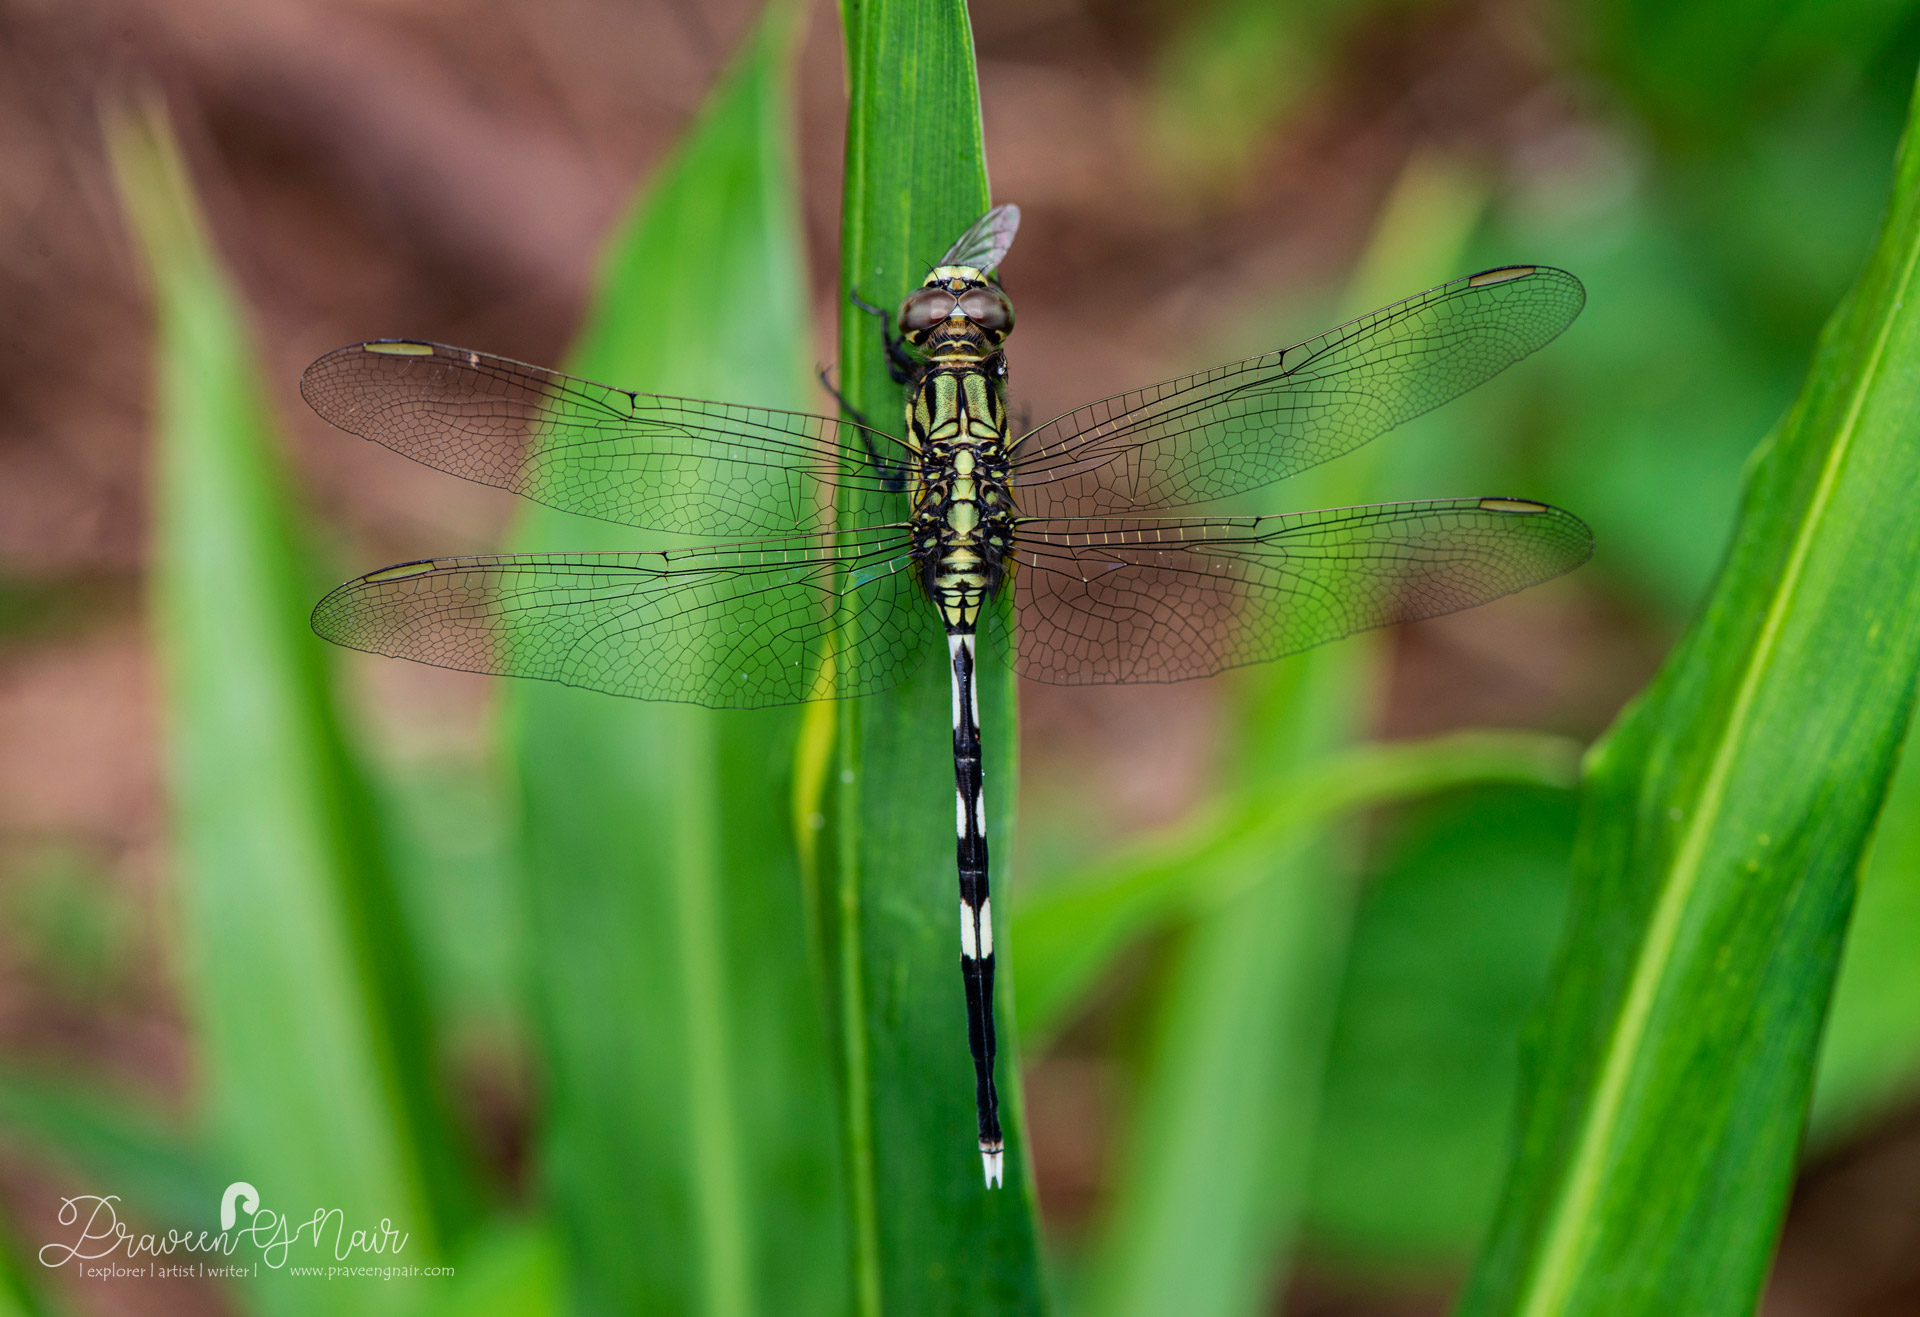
728, 936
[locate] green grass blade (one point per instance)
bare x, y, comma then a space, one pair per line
1870, 1050
508, 1270
22, 1279
1452, 944
1226, 76
929, 1238
1070, 930
1216, 1159
1215, 1168
163, 1178
302, 986
690, 1143
1724, 821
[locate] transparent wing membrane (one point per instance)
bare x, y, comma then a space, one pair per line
733, 626
1108, 600
1241, 426
667, 464
833, 603
1104, 593
986, 242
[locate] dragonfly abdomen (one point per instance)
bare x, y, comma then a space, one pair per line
976, 904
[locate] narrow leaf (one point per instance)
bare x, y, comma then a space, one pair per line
1217, 1161
690, 1142
163, 1179
1070, 930
1724, 821
506, 1271
302, 985
1870, 1051
1452, 944
928, 1237
21, 1292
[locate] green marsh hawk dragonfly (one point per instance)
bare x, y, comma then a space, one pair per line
851, 549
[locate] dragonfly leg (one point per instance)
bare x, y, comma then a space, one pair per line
900, 362
826, 382
976, 908
894, 473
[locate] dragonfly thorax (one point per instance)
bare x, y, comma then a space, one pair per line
963, 511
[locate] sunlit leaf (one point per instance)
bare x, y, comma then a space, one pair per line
928, 1237
302, 982
1724, 821
691, 1151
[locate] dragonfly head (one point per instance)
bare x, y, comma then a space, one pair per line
957, 313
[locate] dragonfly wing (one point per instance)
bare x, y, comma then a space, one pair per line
732, 626
1121, 600
667, 464
1240, 426
986, 242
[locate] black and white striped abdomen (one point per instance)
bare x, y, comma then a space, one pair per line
976, 905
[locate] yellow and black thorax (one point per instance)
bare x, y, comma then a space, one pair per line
963, 512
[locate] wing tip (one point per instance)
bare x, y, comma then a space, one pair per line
325, 400
1508, 506
326, 619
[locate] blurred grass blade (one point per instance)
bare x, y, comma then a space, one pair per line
1870, 1049
162, 1178
316, 1056
505, 1271
1453, 940
691, 1149
929, 1238
1725, 817
1228, 75
1070, 930
1215, 1165
21, 1277
1214, 1171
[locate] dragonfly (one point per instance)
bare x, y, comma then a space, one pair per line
846, 547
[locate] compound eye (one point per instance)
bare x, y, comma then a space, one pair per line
988, 308
924, 310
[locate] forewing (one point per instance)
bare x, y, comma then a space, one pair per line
1110, 600
733, 626
668, 464
984, 245
1240, 426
